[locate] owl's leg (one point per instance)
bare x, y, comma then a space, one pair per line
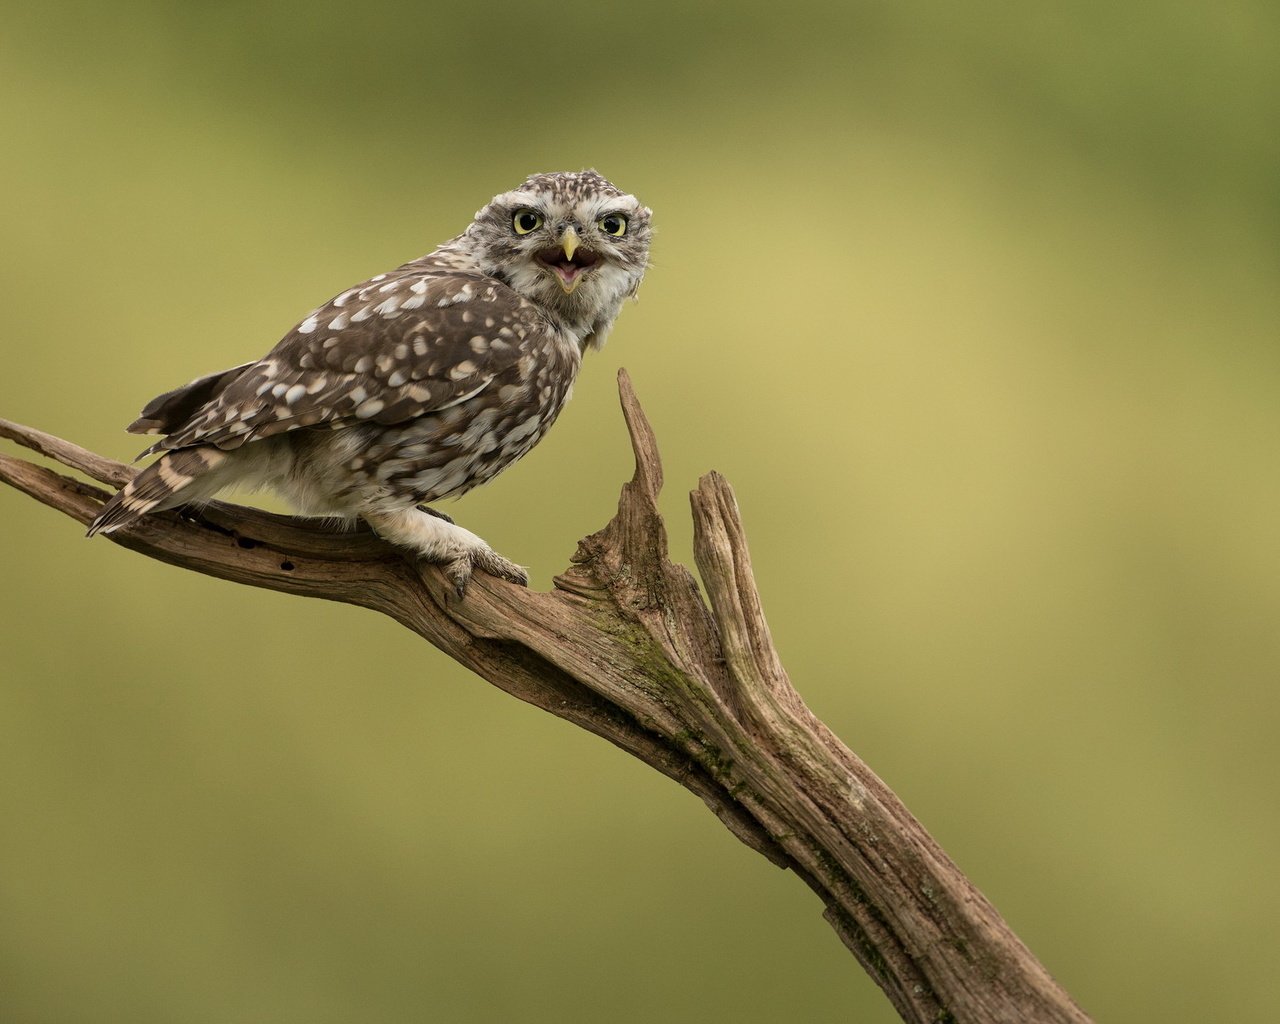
459, 551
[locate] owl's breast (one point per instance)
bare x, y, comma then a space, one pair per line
445, 453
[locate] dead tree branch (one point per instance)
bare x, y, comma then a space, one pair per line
625, 647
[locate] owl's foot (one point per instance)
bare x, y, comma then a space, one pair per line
487, 560
435, 539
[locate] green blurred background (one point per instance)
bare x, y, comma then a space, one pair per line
976, 305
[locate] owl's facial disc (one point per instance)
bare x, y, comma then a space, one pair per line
568, 260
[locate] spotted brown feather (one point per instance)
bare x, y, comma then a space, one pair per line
400, 346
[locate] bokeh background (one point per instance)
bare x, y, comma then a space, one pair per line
976, 305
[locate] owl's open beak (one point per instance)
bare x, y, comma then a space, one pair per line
568, 260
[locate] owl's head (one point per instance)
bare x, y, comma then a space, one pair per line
570, 242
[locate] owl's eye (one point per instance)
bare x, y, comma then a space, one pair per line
613, 224
525, 221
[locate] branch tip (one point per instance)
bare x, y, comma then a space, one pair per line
643, 442
102, 469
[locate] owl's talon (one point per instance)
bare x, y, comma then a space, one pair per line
487, 560
495, 565
459, 573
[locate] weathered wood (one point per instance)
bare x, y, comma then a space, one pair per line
625, 647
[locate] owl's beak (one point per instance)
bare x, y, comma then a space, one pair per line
569, 242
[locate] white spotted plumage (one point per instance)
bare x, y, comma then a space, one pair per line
419, 384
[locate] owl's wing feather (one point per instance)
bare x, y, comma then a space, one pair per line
401, 345
169, 411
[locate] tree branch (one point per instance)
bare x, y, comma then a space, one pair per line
625, 647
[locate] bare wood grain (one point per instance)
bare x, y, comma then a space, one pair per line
625, 647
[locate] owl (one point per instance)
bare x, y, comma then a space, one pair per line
418, 384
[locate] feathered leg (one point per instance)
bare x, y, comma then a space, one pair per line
434, 539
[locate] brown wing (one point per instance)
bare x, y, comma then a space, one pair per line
398, 346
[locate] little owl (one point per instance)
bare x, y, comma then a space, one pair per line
417, 385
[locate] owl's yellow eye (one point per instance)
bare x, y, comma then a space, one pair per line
525, 221
613, 224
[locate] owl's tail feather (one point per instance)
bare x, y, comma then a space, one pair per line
166, 482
